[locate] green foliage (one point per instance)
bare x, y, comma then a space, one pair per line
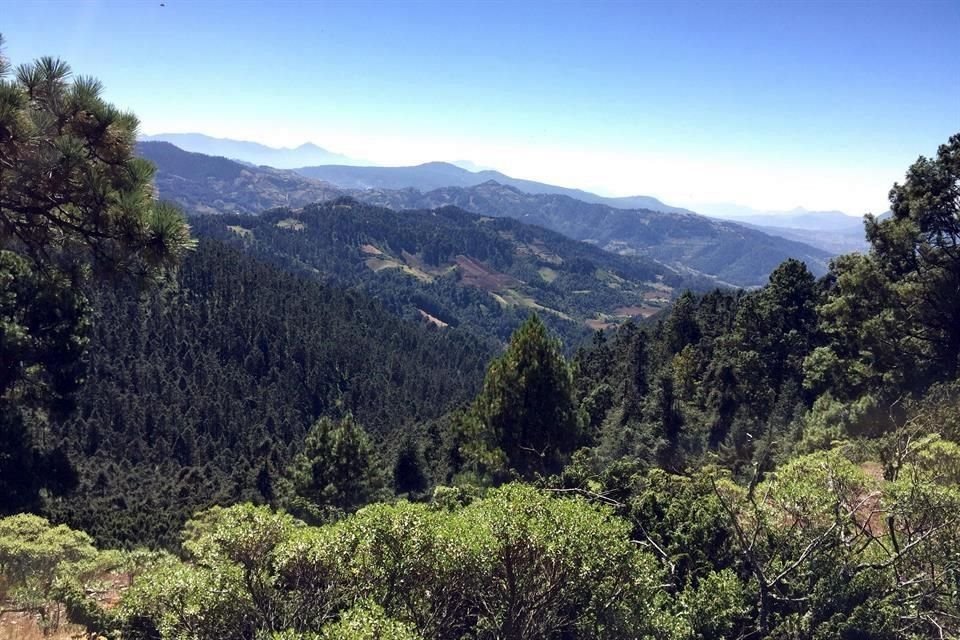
410, 470
203, 393
41, 563
526, 407
337, 471
831, 548
366, 621
73, 202
891, 315
517, 564
559, 566
71, 191
680, 516
44, 326
717, 607
31, 550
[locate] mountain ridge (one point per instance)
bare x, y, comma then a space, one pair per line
731, 252
696, 245
434, 175
252, 152
453, 268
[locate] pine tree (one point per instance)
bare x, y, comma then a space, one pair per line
891, 317
338, 471
526, 407
409, 471
74, 202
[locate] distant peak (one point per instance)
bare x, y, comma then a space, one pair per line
436, 164
472, 167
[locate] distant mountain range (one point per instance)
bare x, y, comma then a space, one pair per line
833, 231
844, 233
694, 244
316, 162
253, 152
834, 241
797, 218
691, 244
435, 175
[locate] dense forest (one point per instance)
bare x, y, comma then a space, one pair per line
202, 392
219, 433
454, 268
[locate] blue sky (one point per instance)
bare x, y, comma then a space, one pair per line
767, 104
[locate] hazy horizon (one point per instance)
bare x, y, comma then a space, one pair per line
769, 106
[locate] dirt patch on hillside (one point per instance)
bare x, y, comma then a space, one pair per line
291, 224
476, 274
656, 296
536, 249
433, 319
379, 264
599, 325
635, 311
240, 231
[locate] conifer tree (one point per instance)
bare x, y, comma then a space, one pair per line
338, 471
409, 471
526, 407
891, 316
74, 203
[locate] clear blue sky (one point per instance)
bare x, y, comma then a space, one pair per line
768, 104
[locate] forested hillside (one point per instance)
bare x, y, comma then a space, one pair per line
730, 252
455, 269
210, 184
203, 392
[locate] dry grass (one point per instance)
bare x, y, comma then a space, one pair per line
291, 224
433, 319
23, 626
634, 311
240, 231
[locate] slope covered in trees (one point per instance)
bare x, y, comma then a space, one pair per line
453, 268
75, 206
203, 393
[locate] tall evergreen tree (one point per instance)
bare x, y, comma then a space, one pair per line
526, 408
338, 471
74, 202
775, 329
891, 316
409, 471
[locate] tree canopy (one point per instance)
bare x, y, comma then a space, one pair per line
74, 201
526, 409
